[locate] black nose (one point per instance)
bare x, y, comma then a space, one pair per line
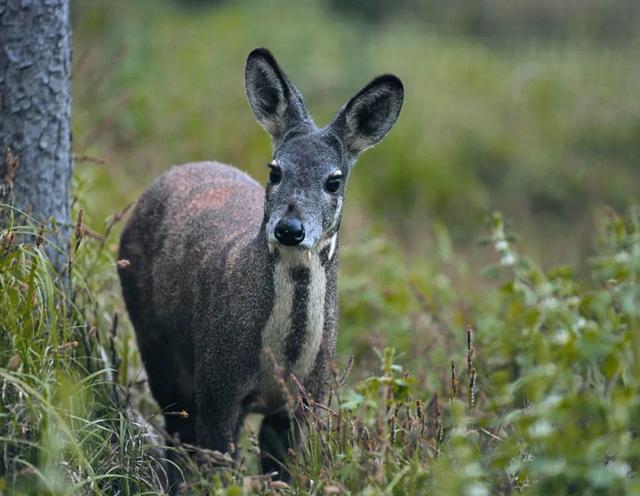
289, 232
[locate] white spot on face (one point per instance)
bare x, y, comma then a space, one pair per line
332, 249
336, 214
331, 243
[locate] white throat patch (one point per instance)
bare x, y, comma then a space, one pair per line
280, 324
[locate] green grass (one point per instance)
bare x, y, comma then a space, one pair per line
66, 428
546, 131
539, 394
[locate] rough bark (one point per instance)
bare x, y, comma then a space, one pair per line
35, 53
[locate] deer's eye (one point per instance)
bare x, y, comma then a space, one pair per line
275, 176
333, 182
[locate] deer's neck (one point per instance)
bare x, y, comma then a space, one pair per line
294, 330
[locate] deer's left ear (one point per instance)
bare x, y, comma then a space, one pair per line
369, 115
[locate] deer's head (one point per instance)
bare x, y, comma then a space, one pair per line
310, 165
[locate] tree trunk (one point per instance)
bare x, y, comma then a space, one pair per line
35, 111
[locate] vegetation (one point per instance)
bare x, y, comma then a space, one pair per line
540, 129
541, 393
463, 368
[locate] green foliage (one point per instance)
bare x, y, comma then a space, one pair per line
540, 395
63, 428
563, 369
545, 402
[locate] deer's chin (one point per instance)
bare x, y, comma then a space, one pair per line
306, 246
293, 249
301, 254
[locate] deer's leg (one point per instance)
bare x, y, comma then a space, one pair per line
219, 417
278, 433
220, 392
180, 418
171, 383
317, 383
282, 431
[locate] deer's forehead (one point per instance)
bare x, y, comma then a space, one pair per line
309, 154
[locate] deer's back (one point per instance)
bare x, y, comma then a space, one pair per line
188, 242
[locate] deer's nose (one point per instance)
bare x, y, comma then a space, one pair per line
289, 231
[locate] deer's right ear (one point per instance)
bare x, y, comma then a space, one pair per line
275, 101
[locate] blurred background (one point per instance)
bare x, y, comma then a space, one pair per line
529, 107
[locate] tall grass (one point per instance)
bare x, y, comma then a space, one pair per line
66, 427
539, 393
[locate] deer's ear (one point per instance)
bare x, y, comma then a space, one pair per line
369, 115
275, 101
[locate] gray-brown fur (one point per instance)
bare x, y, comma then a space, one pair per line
222, 300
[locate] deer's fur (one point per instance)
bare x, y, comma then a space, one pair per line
223, 311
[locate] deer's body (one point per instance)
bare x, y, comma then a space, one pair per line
201, 292
231, 289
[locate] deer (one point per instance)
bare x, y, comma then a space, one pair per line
232, 288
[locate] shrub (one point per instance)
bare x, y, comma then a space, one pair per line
540, 395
